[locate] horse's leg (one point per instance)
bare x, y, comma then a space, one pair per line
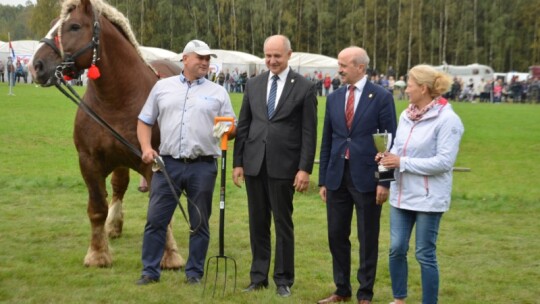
171, 258
98, 252
115, 218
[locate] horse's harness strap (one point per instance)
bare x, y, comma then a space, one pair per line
92, 45
69, 59
52, 44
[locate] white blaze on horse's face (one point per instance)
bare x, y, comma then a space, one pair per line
50, 35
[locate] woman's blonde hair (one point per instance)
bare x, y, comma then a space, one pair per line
436, 81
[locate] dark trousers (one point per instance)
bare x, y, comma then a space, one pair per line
198, 180
339, 207
269, 197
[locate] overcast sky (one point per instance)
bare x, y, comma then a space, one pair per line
15, 2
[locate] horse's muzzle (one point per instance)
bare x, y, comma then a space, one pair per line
41, 73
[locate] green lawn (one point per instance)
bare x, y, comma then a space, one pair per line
488, 247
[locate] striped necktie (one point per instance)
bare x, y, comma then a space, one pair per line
349, 109
272, 96
349, 113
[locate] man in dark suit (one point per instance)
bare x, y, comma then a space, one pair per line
274, 152
347, 171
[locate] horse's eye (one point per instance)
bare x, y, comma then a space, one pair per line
74, 27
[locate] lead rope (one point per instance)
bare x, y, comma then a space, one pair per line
158, 165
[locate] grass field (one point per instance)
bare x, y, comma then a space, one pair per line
488, 246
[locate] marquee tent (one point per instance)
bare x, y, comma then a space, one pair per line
154, 53
230, 60
24, 49
307, 63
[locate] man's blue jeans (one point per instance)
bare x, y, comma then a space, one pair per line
427, 229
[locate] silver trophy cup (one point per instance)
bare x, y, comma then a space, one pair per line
382, 142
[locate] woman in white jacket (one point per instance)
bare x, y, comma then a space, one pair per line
423, 155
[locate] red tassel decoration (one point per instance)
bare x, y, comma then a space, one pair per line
93, 72
67, 78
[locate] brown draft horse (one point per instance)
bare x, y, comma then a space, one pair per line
117, 96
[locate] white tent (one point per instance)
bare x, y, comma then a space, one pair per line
24, 49
303, 63
154, 53
231, 60
308, 63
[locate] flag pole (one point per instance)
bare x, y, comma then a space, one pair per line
11, 77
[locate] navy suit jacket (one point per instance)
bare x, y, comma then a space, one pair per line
288, 141
375, 110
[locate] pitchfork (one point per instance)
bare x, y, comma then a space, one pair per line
225, 259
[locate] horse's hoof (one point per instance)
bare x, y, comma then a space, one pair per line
114, 233
98, 259
172, 261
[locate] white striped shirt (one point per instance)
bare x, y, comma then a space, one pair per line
185, 113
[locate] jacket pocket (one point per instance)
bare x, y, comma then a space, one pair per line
426, 186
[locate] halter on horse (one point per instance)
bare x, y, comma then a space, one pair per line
91, 33
67, 67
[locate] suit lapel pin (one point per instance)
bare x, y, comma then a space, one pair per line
370, 95
292, 80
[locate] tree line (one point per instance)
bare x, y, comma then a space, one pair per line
399, 33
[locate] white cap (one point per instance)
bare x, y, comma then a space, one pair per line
198, 47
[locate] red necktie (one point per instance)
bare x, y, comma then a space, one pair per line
349, 113
349, 109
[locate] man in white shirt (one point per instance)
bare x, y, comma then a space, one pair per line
184, 107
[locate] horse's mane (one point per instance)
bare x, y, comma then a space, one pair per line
112, 14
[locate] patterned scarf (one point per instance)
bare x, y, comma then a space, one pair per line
415, 114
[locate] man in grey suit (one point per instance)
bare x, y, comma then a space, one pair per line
274, 152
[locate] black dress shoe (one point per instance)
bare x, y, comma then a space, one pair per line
145, 280
283, 291
254, 287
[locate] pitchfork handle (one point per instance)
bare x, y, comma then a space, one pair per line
224, 140
222, 204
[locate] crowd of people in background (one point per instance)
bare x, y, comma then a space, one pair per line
234, 82
462, 90
496, 91
14, 73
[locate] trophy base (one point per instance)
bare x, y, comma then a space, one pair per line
385, 176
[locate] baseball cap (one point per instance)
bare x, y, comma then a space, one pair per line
198, 47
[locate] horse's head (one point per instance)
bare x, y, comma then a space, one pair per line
70, 46
46, 58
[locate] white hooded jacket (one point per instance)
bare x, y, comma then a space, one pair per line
428, 149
